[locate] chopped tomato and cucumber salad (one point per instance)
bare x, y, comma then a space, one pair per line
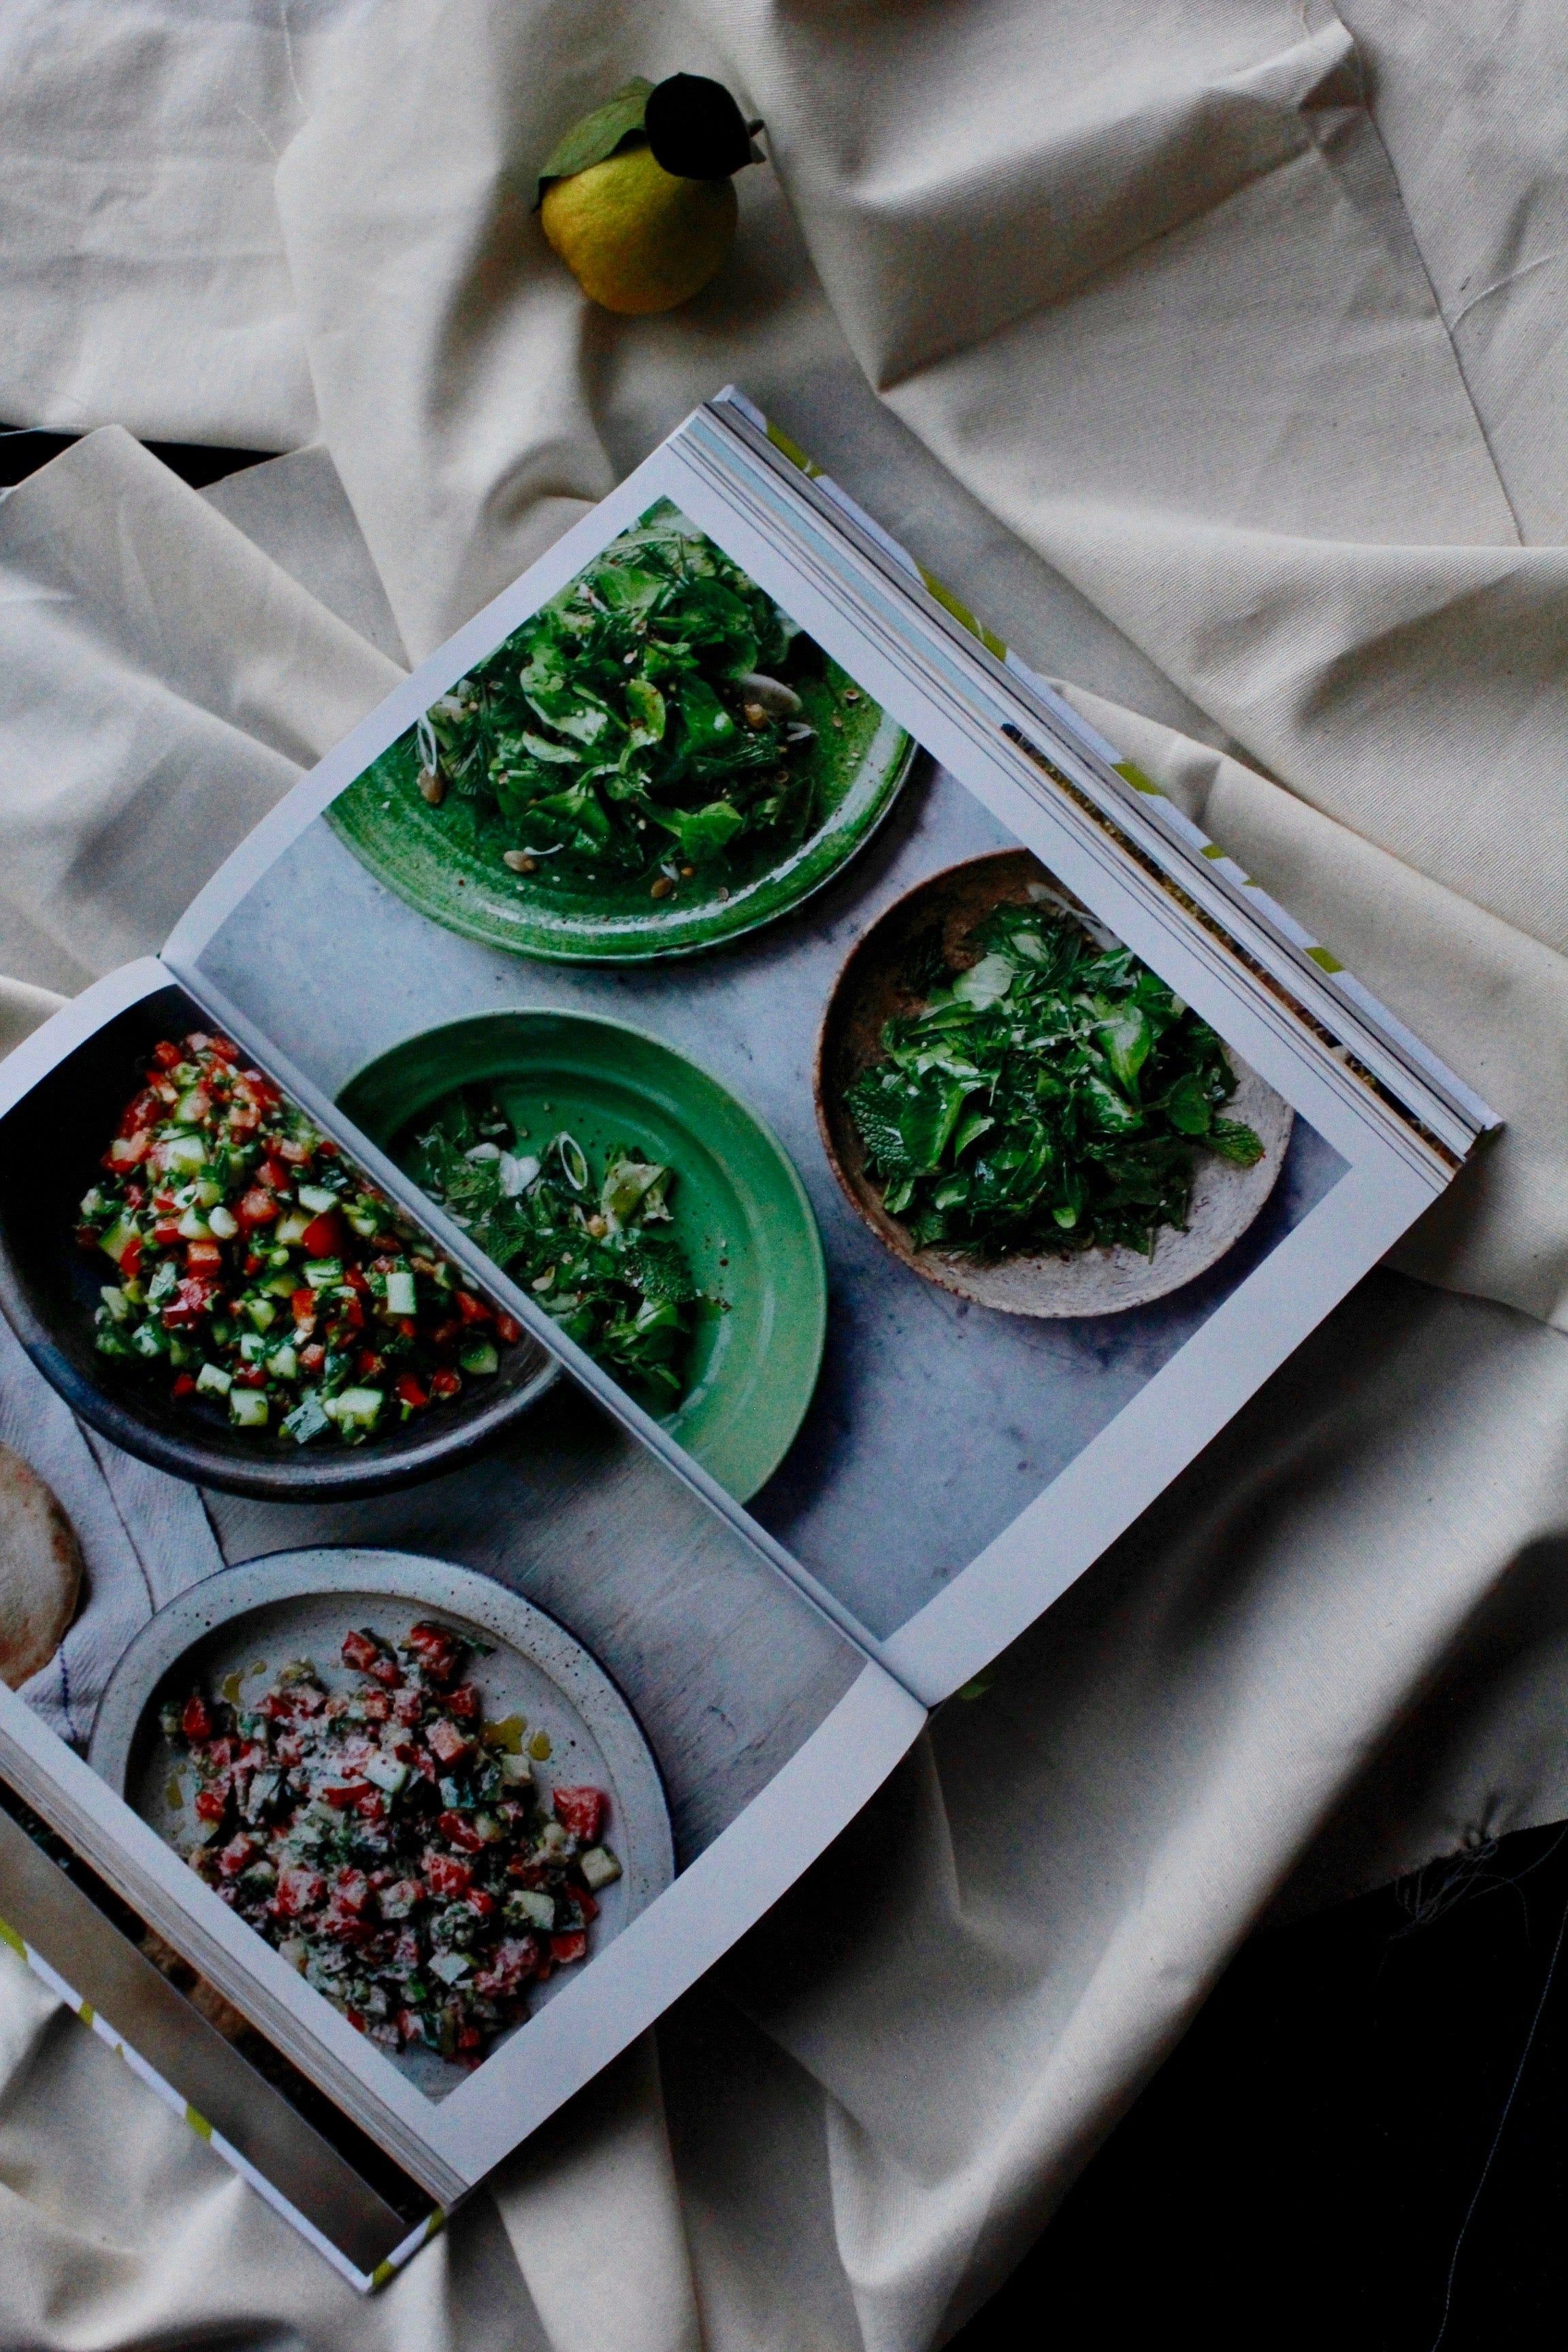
393, 1847
258, 1268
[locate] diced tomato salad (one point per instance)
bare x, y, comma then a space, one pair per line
256, 1268
398, 1852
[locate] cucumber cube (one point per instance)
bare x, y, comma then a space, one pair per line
599, 1868
355, 1408
118, 1239
183, 1154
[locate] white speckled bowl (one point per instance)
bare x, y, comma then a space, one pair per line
240, 1627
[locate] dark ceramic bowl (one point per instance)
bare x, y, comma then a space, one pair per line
50, 1149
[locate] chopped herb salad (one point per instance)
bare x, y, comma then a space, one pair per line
657, 715
1051, 1095
256, 1267
587, 1243
395, 1848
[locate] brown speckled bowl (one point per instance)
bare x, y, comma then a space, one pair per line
872, 989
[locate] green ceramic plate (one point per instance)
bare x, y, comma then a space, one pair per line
447, 861
741, 1212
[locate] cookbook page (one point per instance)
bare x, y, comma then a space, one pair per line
449, 1771
863, 1134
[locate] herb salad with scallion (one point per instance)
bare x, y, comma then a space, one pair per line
1051, 1095
656, 722
591, 1244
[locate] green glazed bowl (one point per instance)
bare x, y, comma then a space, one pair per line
740, 1210
445, 862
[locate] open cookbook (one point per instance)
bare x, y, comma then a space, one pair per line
668, 1201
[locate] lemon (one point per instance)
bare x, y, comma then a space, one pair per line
637, 238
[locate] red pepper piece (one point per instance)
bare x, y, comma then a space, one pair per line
447, 1742
256, 1207
185, 1386
324, 1236
582, 1812
196, 1719
130, 1258
435, 1649
144, 1110
313, 1357
460, 1833
204, 1257
471, 1309
507, 1330
360, 1651
407, 1390
190, 1301
210, 1805
565, 1950
464, 1703
340, 1795
445, 1383
298, 1889
445, 1876
167, 1055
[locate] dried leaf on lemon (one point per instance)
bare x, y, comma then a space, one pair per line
639, 198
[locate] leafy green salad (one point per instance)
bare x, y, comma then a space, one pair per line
1050, 1096
588, 1245
649, 718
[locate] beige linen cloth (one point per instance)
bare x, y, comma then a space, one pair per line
1215, 353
